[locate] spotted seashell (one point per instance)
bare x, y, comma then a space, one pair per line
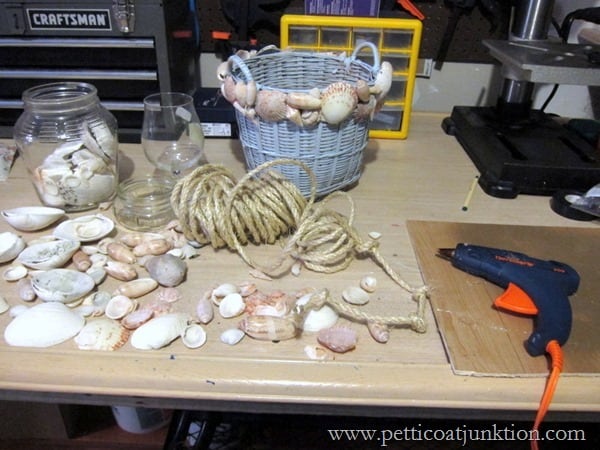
338, 102
271, 105
102, 334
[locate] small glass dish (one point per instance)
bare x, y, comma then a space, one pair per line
143, 204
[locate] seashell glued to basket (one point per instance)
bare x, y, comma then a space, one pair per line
309, 106
32, 218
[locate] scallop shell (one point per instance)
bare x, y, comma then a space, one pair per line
159, 331
43, 325
48, 255
61, 285
338, 102
119, 306
193, 336
271, 105
102, 334
167, 269
10, 246
85, 228
338, 339
232, 336
32, 218
232, 305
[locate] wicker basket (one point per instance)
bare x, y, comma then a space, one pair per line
333, 152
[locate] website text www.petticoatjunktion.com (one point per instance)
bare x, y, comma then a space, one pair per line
462, 435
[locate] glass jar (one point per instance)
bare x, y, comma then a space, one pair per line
69, 144
143, 204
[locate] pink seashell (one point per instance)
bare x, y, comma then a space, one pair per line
168, 294
379, 332
271, 105
137, 318
338, 339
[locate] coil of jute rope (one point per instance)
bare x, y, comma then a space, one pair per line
214, 208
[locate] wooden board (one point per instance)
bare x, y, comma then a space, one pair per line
481, 340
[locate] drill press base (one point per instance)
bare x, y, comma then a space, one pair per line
536, 155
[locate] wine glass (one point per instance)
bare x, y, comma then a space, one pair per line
172, 135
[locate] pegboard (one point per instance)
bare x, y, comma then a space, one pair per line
465, 47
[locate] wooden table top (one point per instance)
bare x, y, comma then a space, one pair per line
425, 177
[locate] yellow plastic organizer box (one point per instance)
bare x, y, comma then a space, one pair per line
398, 41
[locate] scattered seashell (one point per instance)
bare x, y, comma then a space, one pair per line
4, 306
48, 255
16, 310
247, 288
368, 283
374, 235
158, 306
61, 285
102, 246
232, 336
159, 331
120, 270
120, 252
98, 300
43, 325
204, 310
232, 305
136, 288
81, 260
85, 228
32, 218
193, 336
317, 353
152, 247
355, 295
268, 328
97, 273
137, 318
168, 294
168, 270
136, 238
319, 319
25, 290
379, 331
296, 268
119, 306
10, 246
98, 259
223, 290
338, 101
15, 272
338, 339
102, 334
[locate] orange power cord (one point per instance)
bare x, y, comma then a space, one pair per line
556, 358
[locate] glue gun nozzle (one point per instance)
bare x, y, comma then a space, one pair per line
445, 253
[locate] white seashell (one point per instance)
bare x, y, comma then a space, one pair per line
119, 306
48, 255
232, 305
204, 310
85, 228
383, 80
25, 290
32, 218
97, 273
368, 283
193, 336
136, 288
316, 353
15, 272
43, 325
222, 290
232, 336
61, 285
355, 295
4, 306
319, 319
159, 331
338, 339
102, 334
137, 318
10, 246
338, 101
374, 235
97, 300
16, 310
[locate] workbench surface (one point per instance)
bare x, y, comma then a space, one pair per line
425, 177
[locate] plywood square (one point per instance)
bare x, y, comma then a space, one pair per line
482, 340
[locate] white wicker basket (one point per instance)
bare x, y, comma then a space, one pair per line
333, 152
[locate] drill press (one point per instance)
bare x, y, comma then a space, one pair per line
517, 149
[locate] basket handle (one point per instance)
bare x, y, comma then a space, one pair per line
239, 62
374, 49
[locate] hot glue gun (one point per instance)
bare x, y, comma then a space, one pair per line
533, 286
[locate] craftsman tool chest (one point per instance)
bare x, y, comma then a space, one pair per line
126, 48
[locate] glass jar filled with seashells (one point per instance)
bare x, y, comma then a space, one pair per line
69, 144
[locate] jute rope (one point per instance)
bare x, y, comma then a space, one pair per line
213, 208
